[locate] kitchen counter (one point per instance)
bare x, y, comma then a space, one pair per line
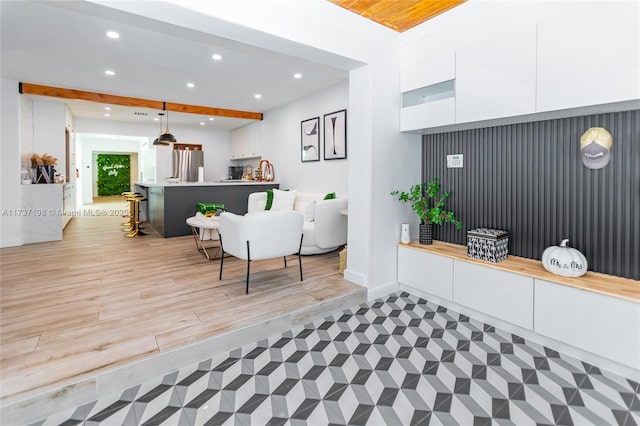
169, 205
218, 183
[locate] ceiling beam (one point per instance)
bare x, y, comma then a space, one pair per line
220, 112
58, 92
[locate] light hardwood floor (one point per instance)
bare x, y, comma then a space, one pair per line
98, 300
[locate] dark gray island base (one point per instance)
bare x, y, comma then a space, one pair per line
169, 205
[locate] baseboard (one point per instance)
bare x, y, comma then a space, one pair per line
11, 243
355, 277
383, 290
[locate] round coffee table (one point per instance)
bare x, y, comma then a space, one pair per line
201, 222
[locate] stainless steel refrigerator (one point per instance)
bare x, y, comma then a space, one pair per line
186, 163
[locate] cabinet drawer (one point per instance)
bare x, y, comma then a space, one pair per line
501, 294
603, 325
432, 114
426, 272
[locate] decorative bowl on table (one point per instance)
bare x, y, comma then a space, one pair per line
172, 179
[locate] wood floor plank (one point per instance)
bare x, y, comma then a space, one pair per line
98, 300
18, 347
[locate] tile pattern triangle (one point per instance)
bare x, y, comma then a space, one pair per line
401, 360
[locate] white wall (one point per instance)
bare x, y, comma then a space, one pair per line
215, 143
281, 143
11, 196
91, 145
49, 120
321, 31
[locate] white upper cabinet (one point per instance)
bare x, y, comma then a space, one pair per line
433, 70
497, 78
521, 58
246, 141
428, 90
589, 58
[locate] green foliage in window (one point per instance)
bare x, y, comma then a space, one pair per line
114, 172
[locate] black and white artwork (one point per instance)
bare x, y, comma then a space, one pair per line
335, 135
310, 139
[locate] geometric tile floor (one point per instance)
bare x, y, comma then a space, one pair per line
394, 361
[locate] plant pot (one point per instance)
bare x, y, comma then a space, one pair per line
426, 233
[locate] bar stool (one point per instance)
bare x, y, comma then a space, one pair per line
129, 223
134, 206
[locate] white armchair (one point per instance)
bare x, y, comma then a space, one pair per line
256, 236
325, 227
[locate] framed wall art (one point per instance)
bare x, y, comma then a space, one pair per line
335, 135
310, 139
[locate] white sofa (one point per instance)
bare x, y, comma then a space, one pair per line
324, 229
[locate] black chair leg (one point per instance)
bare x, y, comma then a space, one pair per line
221, 258
248, 269
285, 261
300, 258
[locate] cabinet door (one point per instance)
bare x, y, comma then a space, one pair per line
254, 140
238, 143
246, 141
427, 272
497, 78
431, 114
501, 294
604, 325
589, 58
435, 69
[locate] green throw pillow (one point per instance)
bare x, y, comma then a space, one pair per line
269, 199
330, 196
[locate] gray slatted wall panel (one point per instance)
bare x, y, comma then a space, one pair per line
529, 179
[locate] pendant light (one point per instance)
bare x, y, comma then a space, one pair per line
166, 137
157, 140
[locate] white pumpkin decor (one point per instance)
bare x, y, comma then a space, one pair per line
564, 260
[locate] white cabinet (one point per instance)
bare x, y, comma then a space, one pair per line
430, 71
497, 78
589, 58
504, 295
428, 90
246, 141
601, 324
42, 212
430, 114
68, 202
427, 272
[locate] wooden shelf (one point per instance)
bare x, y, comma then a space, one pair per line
609, 285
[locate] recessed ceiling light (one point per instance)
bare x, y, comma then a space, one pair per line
211, 118
216, 57
113, 34
110, 72
107, 115
297, 75
202, 123
191, 85
156, 119
257, 96
107, 108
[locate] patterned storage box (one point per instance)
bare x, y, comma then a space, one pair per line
487, 244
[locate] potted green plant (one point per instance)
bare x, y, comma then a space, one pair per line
428, 203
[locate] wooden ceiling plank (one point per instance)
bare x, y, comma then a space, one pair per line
58, 92
399, 15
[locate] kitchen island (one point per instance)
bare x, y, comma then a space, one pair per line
169, 205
